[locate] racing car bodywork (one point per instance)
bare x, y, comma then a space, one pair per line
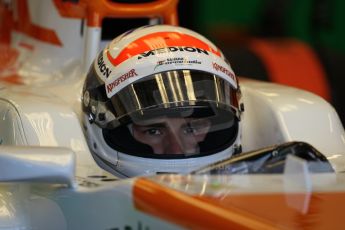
49, 179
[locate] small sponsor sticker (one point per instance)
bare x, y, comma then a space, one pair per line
224, 70
103, 68
177, 61
110, 87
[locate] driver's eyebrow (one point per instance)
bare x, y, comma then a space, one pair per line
154, 125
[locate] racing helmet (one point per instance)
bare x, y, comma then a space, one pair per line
161, 99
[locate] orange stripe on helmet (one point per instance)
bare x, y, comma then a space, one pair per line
159, 40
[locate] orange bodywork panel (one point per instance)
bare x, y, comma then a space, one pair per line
239, 211
6, 23
293, 63
25, 25
95, 11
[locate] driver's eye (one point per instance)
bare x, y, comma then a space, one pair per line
189, 129
153, 131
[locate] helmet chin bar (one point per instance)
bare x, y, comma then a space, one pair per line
124, 165
149, 166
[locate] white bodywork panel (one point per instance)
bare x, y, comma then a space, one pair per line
276, 114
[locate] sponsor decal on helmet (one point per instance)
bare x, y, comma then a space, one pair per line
102, 66
177, 61
223, 69
120, 79
172, 49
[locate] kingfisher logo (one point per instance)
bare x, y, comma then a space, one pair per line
222, 69
172, 49
102, 67
121, 79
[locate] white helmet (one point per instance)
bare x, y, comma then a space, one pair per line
161, 99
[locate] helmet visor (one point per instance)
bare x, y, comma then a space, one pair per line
174, 114
172, 91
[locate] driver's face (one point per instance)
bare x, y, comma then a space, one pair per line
172, 135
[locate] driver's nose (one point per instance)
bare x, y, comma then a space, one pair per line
174, 144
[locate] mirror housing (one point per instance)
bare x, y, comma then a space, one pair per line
52, 165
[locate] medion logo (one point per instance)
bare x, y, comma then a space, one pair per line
172, 49
102, 67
